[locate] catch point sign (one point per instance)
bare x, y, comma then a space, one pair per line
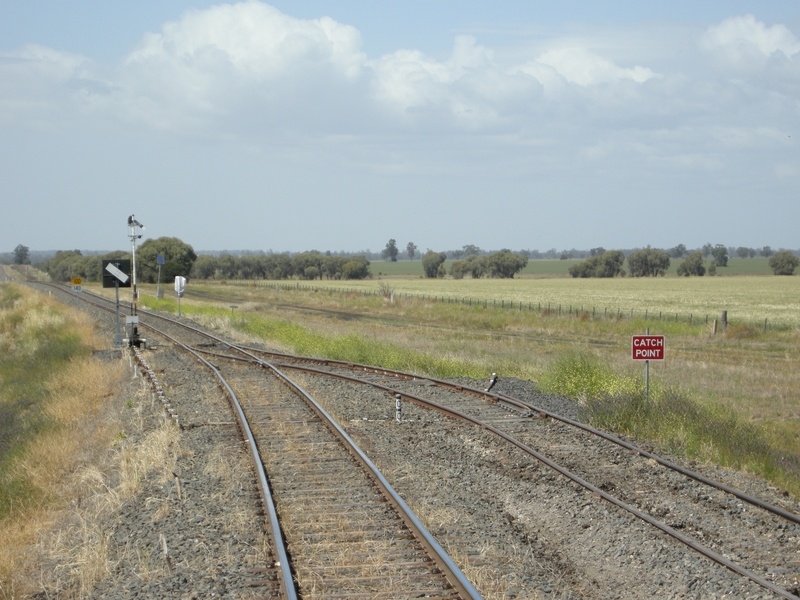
647, 347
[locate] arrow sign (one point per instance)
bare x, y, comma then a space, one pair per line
117, 273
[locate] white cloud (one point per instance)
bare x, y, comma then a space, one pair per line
743, 40
581, 66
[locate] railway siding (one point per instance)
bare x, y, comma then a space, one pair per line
524, 532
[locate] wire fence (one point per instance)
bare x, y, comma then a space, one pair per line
546, 308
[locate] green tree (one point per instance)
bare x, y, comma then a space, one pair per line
766, 252
599, 251
720, 254
693, 265
205, 267
21, 255
505, 264
356, 268
783, 263
431, 261
411, 250
743, 252
608, 264
390, 251
648, 262
301, 262
178, 256
678, 251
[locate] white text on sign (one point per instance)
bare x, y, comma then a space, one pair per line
647, 347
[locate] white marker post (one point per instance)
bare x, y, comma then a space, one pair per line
180, 288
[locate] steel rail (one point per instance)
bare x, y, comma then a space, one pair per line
458, 415
525, 406
447, 566
688, 541
287, 580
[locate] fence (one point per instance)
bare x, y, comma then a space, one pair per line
550, 309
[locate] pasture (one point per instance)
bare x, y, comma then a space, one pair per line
751, 372
748, 299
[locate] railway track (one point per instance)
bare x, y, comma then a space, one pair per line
337, 528
524, 426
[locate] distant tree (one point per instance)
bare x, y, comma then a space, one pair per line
312, 273
566, 255
304, 260
431, 261
411, 250
505, 264
390, 251
179, 258
752, 253
720, 254
707, 248
477, 266
678, 251
693, 265
648, 262
357, 267
597, 251
712, 268
21, 255
471, 249
783, 263
458, 268
766, 252
205, 267
743, 252
608, 264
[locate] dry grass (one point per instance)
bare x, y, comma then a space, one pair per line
69, 397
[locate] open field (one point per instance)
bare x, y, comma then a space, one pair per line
560, 268
745, 370
748, 299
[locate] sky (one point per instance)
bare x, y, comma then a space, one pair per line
312, 124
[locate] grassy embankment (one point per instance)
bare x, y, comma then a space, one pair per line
729, 398
50, 391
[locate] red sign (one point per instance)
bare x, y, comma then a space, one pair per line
647, 347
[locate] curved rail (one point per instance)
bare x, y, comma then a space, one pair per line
688, 541
451, 571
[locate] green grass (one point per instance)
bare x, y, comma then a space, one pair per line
745, 371
708, 431
748, 299
351, 348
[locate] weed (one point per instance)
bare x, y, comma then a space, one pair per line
581, 375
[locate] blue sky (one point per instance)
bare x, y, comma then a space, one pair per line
339, 125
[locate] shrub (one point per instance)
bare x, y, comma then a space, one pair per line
431, 261
581, 375
783, 263
505, 264
608, 264
648, 262
693, 265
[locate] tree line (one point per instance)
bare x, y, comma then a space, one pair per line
181, 259
652, 262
